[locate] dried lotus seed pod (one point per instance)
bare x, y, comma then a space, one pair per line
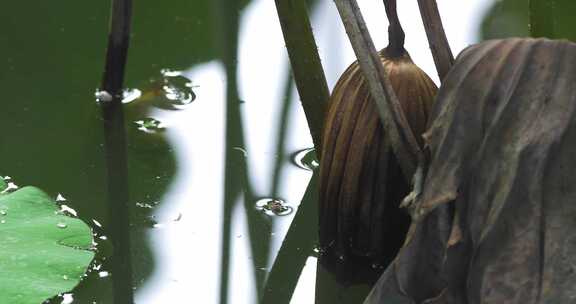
361, 183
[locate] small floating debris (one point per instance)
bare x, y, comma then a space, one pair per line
273, 206
149, 125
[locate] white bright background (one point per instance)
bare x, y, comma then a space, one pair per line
188, 251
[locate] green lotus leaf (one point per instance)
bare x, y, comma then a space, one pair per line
42, 252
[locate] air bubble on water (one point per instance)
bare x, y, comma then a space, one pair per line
305, 159
170, 73
145, 205
67, 210
377, 266
149, 125
103, 274
67, 298
129, 95
103, 96
60, 198
179, 96
175, 89
273, 207
61, 225
317, 250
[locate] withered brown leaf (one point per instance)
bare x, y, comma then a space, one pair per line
502, 141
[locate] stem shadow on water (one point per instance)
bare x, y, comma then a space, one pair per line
115, 146
236, 181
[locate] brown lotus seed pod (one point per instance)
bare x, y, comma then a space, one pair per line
361, 183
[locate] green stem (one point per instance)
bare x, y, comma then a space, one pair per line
306, 65
295, 250
115, 146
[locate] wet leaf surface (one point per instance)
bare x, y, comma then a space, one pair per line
502, 145
42, 252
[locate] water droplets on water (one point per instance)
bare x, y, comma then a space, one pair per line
147, 205
149, 125
170, 73
64, 209
273, 207
65, 277
3, 212
2, 221
377, 266
103, 96
305, 159
62, 225
178, 95
103, 274
173, 91
67, 298
129, 95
